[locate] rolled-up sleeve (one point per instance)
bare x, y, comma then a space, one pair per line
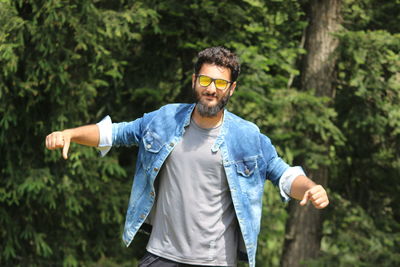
118, 134
105, 130
286, 180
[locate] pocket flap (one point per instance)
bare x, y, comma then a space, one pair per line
246, 167
152, 142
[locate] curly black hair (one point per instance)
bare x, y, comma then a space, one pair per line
219, 56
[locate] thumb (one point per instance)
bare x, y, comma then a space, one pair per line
65, 148
306, 197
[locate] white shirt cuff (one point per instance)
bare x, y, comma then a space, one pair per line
105, 130
286, 180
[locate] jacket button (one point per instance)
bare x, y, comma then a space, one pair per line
142, 216
155, 169
171, 144
152, 193
148, 146
247, 171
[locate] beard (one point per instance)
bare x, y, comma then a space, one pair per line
210, 111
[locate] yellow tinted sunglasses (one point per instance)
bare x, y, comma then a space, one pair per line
220, 84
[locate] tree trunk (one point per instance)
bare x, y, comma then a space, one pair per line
304, 226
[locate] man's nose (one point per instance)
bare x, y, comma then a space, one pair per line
211, 87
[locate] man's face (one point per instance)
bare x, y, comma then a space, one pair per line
211, 100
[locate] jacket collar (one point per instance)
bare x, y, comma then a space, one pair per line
186, 121
224, 130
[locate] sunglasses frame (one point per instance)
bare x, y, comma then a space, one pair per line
228, 83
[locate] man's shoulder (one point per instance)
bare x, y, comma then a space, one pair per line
241, 123
168, 115
170, 110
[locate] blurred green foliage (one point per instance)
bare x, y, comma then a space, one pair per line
68, 63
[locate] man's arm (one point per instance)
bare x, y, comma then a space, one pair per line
85, 135
305, 189
300, 187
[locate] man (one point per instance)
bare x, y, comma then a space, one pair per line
200, 172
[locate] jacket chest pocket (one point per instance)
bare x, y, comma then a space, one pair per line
246, 167
152, 144
248, 175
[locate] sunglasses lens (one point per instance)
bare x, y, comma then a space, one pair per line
204, 80
221, 84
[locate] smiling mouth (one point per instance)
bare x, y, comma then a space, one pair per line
209, 96
209, 99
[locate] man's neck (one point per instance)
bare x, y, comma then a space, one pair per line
207, 122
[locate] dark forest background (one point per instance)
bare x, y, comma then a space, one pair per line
333, 110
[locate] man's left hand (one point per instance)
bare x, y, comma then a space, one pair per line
317, 195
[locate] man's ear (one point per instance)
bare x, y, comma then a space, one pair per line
193, 80
233, 87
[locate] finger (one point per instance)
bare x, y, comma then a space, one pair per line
46, 142
306, 197
318, 195
59, 141
53, 141
316, 189
322, 205
56, 141
319, 201
65, 149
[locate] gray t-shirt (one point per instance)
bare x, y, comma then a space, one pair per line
194, 221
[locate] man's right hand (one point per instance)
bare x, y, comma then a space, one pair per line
87, 135
59, 139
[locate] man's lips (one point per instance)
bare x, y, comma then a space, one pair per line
210, 97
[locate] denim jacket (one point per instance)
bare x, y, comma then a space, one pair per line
248, 158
